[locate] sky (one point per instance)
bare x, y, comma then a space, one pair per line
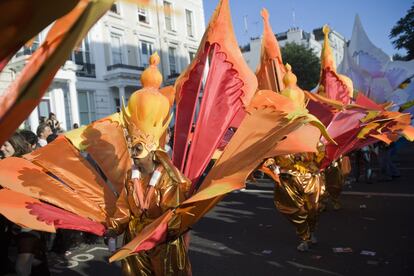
377, 17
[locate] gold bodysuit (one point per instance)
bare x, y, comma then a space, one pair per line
297, 190
169, 258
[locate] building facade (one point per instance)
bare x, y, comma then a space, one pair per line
312, 40
108, 63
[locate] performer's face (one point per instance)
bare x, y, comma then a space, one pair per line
146, 165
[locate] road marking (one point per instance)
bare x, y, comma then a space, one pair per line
83, 257
350, 193
97, 248
377, 194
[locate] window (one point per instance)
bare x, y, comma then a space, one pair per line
115, 8
116, 49
43, 108
189, 21
35, 43
82, 55
168, 15
146, 50
191, 55
86, 103
143, 15
171, 59
28, 50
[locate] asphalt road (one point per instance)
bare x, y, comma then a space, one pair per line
245, 235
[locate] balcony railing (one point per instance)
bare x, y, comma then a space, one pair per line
26, 51
173, 75
124, 66
87, 70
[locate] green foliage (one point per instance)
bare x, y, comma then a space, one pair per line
305, 64
397, 56
403, 34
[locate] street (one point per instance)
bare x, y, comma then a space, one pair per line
245, 235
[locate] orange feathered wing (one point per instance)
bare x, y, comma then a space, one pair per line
22, 20
105, 142
73, 193
18, 101
333, 85
271, 70
229, 87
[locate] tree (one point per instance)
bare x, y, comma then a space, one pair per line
403, 34
305, 64
397, 56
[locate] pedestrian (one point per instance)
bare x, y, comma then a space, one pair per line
31, 254
42, 120
335, 175
31, 138
51, 138
53, 123
387, 167
16, 146
364, 156
43, 131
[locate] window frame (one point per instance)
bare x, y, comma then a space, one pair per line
118, 36
170, 47
172, 23
90, 97
146, 14
191, 15
145, 63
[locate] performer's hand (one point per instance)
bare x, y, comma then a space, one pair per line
109, 233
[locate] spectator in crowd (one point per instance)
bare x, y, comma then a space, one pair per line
31, 254
364, 156
31, 138
42, 120
388, 169
15, 146
51, 138
53, 123
43, 131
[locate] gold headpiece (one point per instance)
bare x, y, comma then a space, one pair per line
291, 90
146, 117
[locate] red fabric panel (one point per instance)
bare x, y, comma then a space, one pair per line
64, 219
221, 101
187, 96
335, 89
367, 102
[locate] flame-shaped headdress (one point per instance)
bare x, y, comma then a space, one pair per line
146, 117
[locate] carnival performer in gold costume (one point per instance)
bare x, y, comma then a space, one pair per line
154, 185
298, 183
298, 188
335, 176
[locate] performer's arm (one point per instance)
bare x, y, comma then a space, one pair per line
119, 221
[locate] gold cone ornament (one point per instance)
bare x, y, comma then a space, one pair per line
292, 91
